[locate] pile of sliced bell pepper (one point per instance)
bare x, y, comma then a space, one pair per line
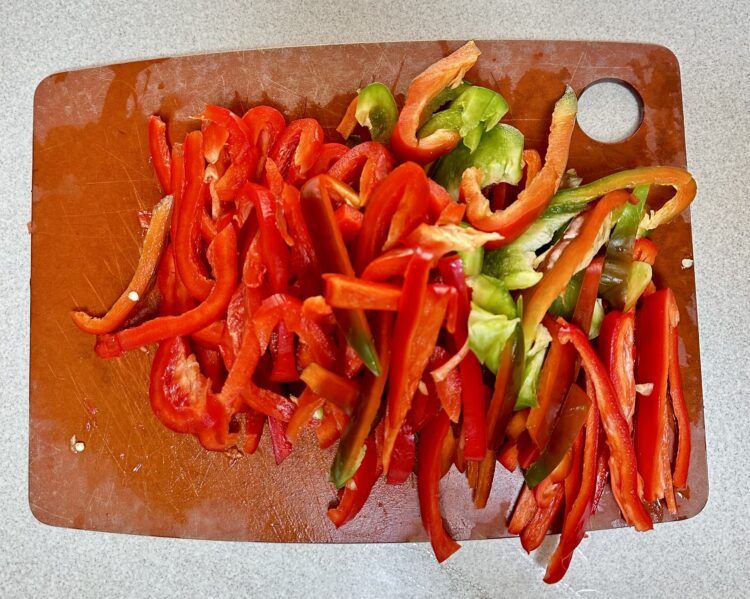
367, 292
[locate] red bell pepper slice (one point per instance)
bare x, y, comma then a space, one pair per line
440, 199
391, 264
303, 251
523, 512
682, 460
531, 202
254, 423
395, 208
153, 248
178, 184
577, 514
448, 72
284, 368
237, 129
447, 388
215, 136
474, 429
211, 366
645, 250
280, 445
402, 458
656, 323
367, 409
164, 327
331, 386
617, 350
307, 405
160, 155
349, 221
623, 459
333, 257
555, 280
428, 486
297, 149
242, 168
264, 124
354, 495
534, 532
178, 390
351, 293
190, 268
333, 424
418, 321
328, 156
367, 163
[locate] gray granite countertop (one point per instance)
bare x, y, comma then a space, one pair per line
705, 556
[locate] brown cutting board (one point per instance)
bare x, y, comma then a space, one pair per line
92, 176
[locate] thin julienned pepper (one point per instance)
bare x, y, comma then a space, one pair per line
332, 426
153, 248
531, 202
655, 320
523, 512
533, 534
178, 185
353, 496
428, 486
160, 155
350, 293
303, 252
164, 327
554, 280
254, 424
441, 240
264, 124
367, 163
577, 514
623, 457
617, 350
307, 404
215, 136
395, 208
240, 170
178, 389
391, 264
280, 445
445, 73
284, 368
404, 377
331, 386
333, 257
574, 199
682, 460
297, 148
349, 120
474, 429
402, 458
645, 250
238, 131
361, 424
569, 423
349, 221
190, 209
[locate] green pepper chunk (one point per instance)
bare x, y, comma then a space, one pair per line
490, 294
499, 154
377, 110
474, 111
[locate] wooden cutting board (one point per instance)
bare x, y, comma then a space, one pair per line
92, 176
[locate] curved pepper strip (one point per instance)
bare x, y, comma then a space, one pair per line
349, 120
349, 221
534, 532
153, 247
448, 72
555, 280
376, 109
682, 460
307, 405
215, 136
164, 327
623, 458
254, 423
531, 202
574, 199
368, 163
333, 257
577, 514
331, 386
160, 155
328, 156
264, 124
402, 458
353, 496
238, 131
191, 270
395, 208
428, 486
297, 149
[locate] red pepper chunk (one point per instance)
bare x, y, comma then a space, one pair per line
448, 72
164, 327
622, 452
297, 149
617, 350
331, 386
428, 486
355, 493
160, 154
349, 221
368, 163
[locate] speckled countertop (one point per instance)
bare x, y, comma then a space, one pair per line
706, 556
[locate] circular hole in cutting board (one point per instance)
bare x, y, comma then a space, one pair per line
610, 110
